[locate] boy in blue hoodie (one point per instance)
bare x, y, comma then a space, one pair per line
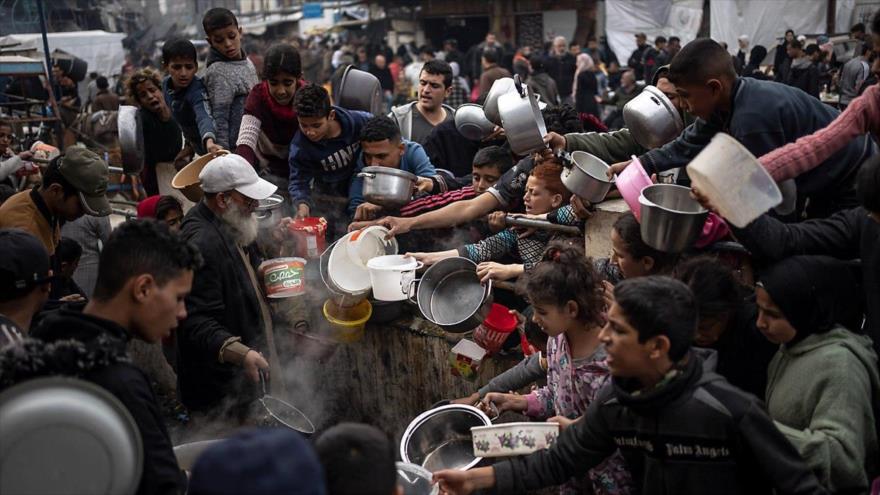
187, 97
382, 146
229, 76
326, 149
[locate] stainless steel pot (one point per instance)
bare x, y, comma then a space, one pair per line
359, 90
584, 175
266, 207
490, 106
671, 220
387, 187
451, 296
131, 139
472, 123
652, 119
522, 120
440, 438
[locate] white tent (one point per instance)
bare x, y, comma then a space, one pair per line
103, 51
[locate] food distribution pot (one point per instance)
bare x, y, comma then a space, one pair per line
451, 296
585, 176
671, 220
387, 187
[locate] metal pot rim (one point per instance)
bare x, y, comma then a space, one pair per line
487, 290
430, 413
389, 171
603, 180
643, 200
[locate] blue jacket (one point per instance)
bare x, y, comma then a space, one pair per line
331, 161
765, 116
192, 111
414, 161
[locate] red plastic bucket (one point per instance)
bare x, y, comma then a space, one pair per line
310, 234
495, 329
283, 277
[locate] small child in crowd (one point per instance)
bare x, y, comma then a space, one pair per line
185, 93
358, 459
326, 148
230, 74
67, 254
269, 122
567, 299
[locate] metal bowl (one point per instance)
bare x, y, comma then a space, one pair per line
472, 123
652, 119
671, 220
440, 438
586, 177
490, 106
359, 90
64, 435
131, 138
387, 187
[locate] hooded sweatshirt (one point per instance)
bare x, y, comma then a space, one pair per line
71, 343
228, 82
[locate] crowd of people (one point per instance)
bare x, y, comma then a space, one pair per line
667, 373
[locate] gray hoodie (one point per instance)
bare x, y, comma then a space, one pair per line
228, 83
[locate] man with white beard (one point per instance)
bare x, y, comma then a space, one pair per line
228, 319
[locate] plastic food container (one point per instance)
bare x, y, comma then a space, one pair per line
465, 359
630, 183
509, 439
347, 324
392, 276
283, 277
310, 234
495, 329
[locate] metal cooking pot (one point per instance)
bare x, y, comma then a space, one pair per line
266, 208
652, 119
451, 296
387, 187
472, 123
490, 106
584, 175
522, 120
131, 139
359, 90
65, 435
440, 438
671, 220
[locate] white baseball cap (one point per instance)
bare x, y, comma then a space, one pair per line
228, 172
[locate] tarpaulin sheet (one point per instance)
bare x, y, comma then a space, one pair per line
103, 51
625, 18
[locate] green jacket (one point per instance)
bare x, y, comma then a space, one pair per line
821, 393
612, 147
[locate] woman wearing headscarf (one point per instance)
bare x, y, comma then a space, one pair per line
585, 86
822, 384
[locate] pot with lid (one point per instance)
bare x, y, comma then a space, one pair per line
387, 187
652, 119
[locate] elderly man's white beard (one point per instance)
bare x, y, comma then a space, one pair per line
242, 225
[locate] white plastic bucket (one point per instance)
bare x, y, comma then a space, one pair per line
733, 180
392, 276
349, 277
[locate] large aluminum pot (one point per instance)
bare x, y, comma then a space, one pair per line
471, 122
131, 139
585, 176
65, 435
268, 210
490, 106
387, 187
522, 120
440, 438
652, 119
359, 90
451, 296
671, 220
188, 453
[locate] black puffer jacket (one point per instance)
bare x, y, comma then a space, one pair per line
696, 434
70, 343
222, 304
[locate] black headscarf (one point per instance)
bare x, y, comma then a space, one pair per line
756, 56
815, 293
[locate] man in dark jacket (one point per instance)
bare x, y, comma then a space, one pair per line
228, 319
635, 59
145, 272
681, 428
801, 72
763, 116
561, 66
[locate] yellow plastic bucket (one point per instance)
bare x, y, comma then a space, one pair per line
347, 324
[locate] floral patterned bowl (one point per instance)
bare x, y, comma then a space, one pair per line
509, 439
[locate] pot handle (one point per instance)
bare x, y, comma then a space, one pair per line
488, 291
367, 175
410, 291
517, 82
263, 380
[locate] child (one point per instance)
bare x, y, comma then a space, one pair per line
566, 295
358, 459
166, 209
185, 93
10, 162
631, 256
269, 120
230, 74
67, 255
326, 148
680, 427
162, 135
823, 386
544, 193
382, 146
